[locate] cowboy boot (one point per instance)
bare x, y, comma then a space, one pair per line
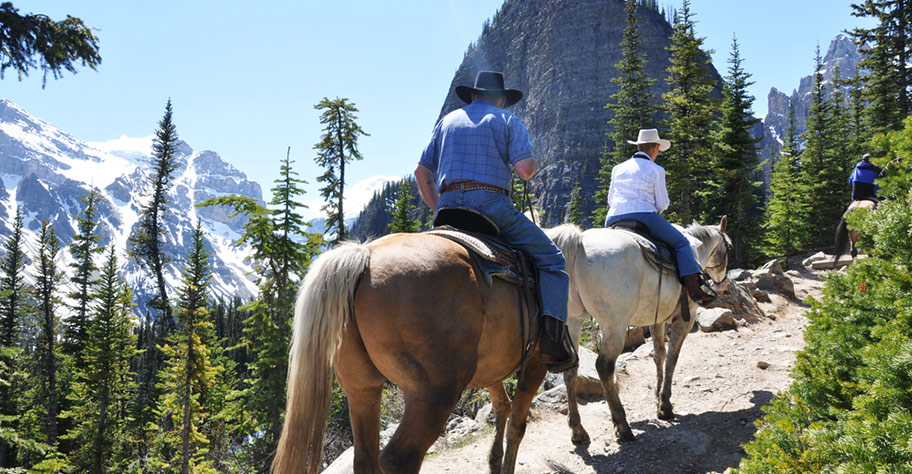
557, 350
694, 286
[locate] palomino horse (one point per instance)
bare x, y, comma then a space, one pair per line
412, 309
845, 236
612, 281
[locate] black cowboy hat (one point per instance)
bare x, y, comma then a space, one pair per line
487, 82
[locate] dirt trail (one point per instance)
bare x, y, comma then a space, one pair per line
721, 383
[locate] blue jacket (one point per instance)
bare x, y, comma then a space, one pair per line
862, 181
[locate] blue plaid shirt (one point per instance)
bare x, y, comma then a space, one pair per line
478, 142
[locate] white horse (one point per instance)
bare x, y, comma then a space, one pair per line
612, 281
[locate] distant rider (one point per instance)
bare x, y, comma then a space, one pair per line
637, 192
467, 164
862, 180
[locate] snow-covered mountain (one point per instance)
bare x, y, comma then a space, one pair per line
46, 171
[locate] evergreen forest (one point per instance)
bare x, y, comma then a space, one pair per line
197, 385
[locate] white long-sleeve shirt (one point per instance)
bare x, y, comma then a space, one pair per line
637, 185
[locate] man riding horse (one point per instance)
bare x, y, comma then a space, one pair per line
466, 164
637, 192
862, 180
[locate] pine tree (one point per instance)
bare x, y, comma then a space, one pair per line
690, 108
147, 241
822, 172
631, 105
83, 249
146, 246
58, 45
575, 214
43, 397
887, 56
282, 249
188, 371
785, 224
402, 222
337, 146
105, 383
730, 190
12, 294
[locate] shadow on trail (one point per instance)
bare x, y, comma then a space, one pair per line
693, 443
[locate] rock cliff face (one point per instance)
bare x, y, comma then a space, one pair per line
561, 54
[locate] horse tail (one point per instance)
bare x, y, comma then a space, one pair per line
841, 246
322, 310
569, 239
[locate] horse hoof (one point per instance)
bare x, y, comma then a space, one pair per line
665, 415
625, 436
580, 438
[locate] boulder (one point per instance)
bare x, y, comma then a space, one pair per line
739, 274
344, 464
588, 383
813, 258
737, 298
635, 338
552, 400
828, 263
794, 274
715, 319
778, 284
485, 414
774, 267
761, 296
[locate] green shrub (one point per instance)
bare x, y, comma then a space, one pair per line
849, 409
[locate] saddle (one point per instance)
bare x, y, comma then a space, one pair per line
658, 254
494, 258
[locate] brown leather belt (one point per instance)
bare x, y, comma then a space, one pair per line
472, 186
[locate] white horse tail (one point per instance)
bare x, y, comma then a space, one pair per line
569, 239
323, 308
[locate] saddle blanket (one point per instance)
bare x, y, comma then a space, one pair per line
492, 255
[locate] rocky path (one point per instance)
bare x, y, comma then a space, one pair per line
723, 380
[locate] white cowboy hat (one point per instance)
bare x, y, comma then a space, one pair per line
651, 135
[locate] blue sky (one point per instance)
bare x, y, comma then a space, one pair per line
244, 76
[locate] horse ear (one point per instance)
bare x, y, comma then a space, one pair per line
723, 223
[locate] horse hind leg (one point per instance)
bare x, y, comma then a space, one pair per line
663, 408
578, 433
500, 402
611, 346
363, 385
427, 409
522, 401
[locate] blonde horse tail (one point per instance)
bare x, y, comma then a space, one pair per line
569, 239
323, 308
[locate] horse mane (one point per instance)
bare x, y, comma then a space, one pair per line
569, 239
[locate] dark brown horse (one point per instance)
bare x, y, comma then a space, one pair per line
412, 309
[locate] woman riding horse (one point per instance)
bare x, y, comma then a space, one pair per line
638, 192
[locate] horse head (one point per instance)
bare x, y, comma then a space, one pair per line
713, 251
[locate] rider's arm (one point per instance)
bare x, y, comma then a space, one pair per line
426, 185
661, 191
526, 168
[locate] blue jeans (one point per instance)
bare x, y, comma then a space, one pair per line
662, 230
519, 231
